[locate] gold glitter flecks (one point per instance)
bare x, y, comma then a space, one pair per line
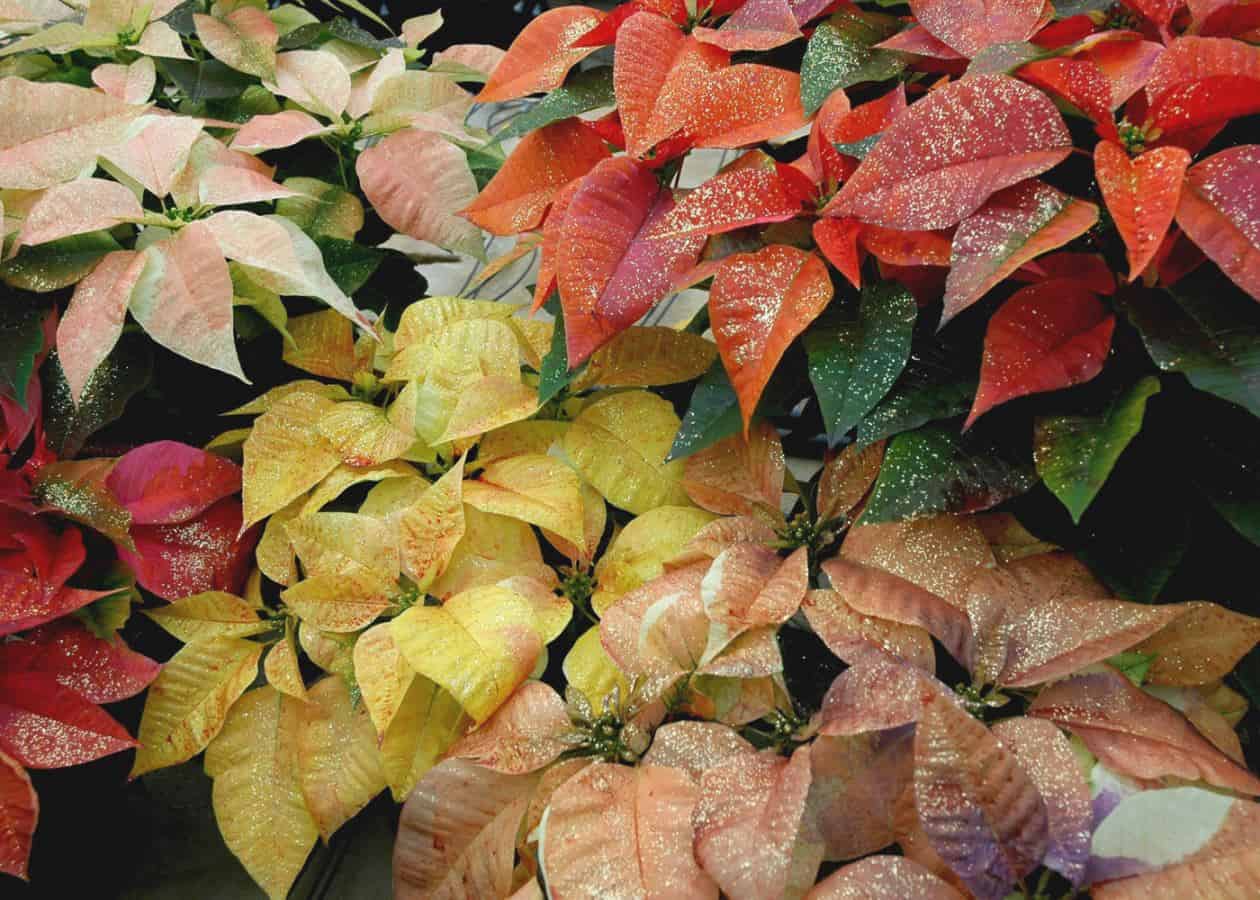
1013, 227
942, 158
337, 756
623, 834
1220, 211
542, 54
188, 703
257, 801
759, 304
747, 818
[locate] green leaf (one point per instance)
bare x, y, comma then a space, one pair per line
841, 54
76, 489
929, 389
1207, 331
349, 264
554, 376
1133, 665
352, 34
21, 339
302, 36
582, 92
361, 9
853, 364
858, 149
57, 264
714, 412
123, 374
934, 470
1226, 466
712, 416
181, 17
1075, 454
105, 616
484, 163
207, 79
1004, 58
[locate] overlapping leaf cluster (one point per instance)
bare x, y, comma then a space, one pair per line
173, 520
553, 583
945, 222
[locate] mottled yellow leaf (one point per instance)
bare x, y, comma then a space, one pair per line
594, 519
345, 477
323, 344
391, 497
334, 653
209, 615
638, 553
280, 665
257, 798
363, 435
285, 455
340, 764
266, 401
382, 673
619, 445
338, 603
466, 349
535, 436
479, 645
429, 529
423, 320
646, 357
591, 670
340, 543
188, 703
493, 548
534, 488
427, 723
274, 552
488, 404
552, 612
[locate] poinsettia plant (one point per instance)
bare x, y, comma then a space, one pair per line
169, 513
874, 546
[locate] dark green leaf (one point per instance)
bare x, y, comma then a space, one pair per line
583, 92
1003, 58
349, 264
1065, 9
853, 363
122, 375
21, 339
859, 149
934, 470
555, 375
712, 416
301, 36
353, 34
929, 389
181, 17
57, 264
1205, 330
841, 54
484, 164
206, 79
1227, 467
1075, 454
714, 412
1248, 674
